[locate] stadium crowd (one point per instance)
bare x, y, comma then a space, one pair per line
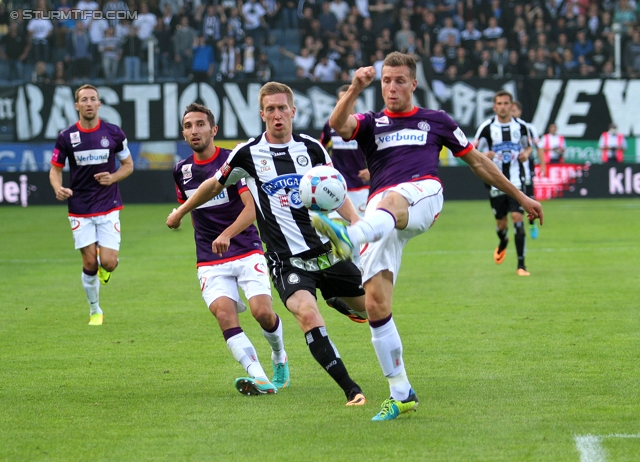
214, 40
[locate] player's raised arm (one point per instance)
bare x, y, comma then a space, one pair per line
487, 171
205, 192
342, 119
242, 222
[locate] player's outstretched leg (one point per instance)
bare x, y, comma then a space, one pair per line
92, 289
343, 308
337, 234
243, 351
392, 408
501, 251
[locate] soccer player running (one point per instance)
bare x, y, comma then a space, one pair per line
91, 147
229, 254
402, 145
534, 140
505, 140
300, 261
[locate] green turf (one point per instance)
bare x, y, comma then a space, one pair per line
506, 368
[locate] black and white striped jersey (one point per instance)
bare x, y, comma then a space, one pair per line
534, 139
507, 141
272, 173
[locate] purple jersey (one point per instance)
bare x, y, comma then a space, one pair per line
404, 147
346, 156
90, 152
216, 215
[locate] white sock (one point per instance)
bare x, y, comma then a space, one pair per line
276, 340
372, 228
388, 346
91, 286
243, 351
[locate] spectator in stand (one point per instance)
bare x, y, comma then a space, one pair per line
203, 62
145, 23
608, 70
541, 67
163, 49
513, 68
599, 55
384, 42
170, 19
403, 35
288, 15
474, 10
249, 55
182, 47
272, 15
552, 146
303, 76
493, 32
612, 145
254, 21
234, 26
377, 63
212, 21
304, 22
79, 53
446, 9
381, 13
582, 46
340, 9
41, 74
59, 76
570, 66
429, 30
40, 29
264, 70
449, 29
449, 48
110, 51
500, 56
625, 16
470, 35
326, 70
131, 52
305, 60
631, 55
328, 22
487, 62
114, 5
556, 53
464, 66
14, 49
230, 58
438, 60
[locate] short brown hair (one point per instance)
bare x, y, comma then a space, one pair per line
343, 88
275, 88
397, 59
86, 86
503, 93
517, 104
195, 107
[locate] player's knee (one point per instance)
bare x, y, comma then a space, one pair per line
264, 315
519, 228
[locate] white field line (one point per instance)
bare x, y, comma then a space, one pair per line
590, 446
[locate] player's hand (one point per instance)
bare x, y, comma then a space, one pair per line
104, 178
363, 77
174, 220
533, 209
63, 193
490, 154
364, 175
220, 245
522, 156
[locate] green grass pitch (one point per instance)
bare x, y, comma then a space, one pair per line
506, 368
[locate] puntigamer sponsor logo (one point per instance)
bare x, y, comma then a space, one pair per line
92, 157
401, 138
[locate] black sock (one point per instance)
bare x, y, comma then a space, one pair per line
531, 222
520, 237
504, 240
325, 353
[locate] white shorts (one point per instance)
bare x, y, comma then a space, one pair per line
359, 199
103, 229
250, 273
425, 203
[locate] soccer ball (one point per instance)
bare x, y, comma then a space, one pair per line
323, 189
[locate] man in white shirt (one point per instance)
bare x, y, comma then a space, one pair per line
145, 23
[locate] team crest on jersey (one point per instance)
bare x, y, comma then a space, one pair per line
424, 126
381, 121
75, 139
302, 161
104, 142
186, 171
515, 135
293, 278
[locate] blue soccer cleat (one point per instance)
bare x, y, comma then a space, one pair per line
337, 234
533, 231
392, 408
281, 374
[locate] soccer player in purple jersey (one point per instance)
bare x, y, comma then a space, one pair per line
300, 260
348, 159
91, 147
402, 145
229, 254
